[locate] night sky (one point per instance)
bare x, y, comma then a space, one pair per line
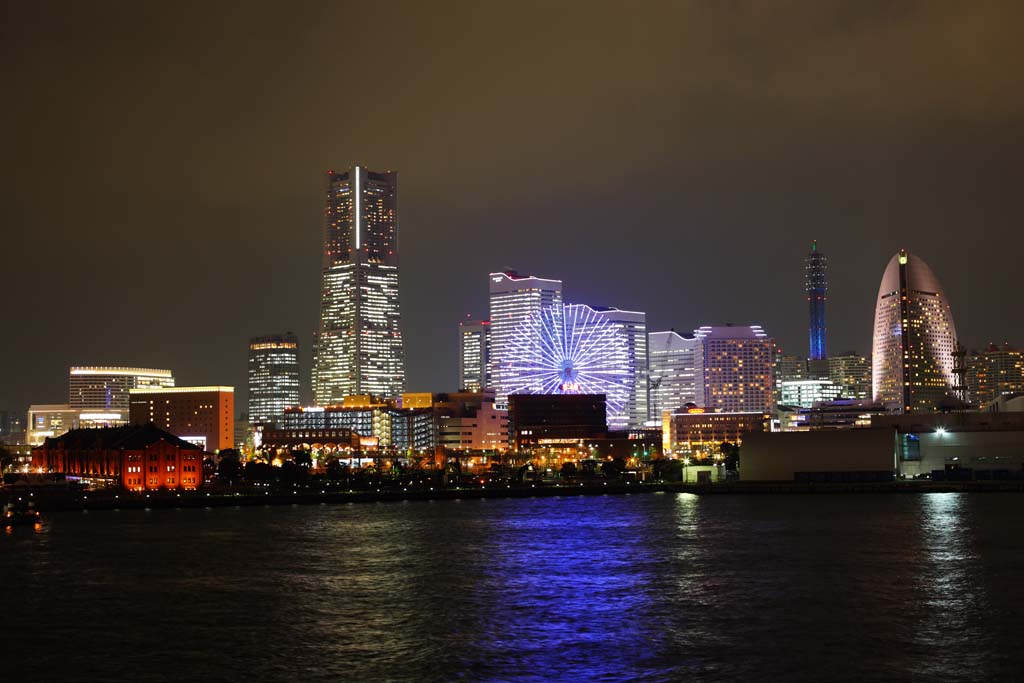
163, 167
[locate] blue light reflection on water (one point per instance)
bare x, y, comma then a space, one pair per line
639, 588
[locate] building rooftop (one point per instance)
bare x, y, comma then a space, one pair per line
131, 437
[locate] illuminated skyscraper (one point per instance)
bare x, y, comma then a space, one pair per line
273, 377
358, 346
632, 330
816, 285
672, 365
474, 348
914, 338
515, 299
734, 369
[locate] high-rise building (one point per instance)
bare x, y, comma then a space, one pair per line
914, 338
273, 377
105, 389
852, 374
672, 378
358, 346
734, 369
816, 286
474, 355
204, 416
631, 328
515, 300
994, 372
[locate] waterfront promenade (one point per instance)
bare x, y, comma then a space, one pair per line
49, 499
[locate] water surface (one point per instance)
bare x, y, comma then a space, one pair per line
652, 587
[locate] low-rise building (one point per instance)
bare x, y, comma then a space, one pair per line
699, 433
135, 457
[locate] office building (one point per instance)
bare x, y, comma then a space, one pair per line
734, 369
200, 415
995, 371
515, 300
358, 346
914, 338
852, 374
475, 430
672, 371
102, 389
804, 393
816, 287
135, 457
787, 368
474, 355
273, 377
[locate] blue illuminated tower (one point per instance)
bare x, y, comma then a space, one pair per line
816, 283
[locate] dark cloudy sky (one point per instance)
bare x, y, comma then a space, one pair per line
163, 166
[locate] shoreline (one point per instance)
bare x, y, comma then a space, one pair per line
52, 501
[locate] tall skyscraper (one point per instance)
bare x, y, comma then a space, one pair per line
103, 389
672, 365
358, 346
734, 369
474, 355
631, 327
816, 285
914, 338
514, 300
273, 377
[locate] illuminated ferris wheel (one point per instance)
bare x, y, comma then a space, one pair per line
571, 349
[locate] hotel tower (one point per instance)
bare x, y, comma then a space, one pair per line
914, 338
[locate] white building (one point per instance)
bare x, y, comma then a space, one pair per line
632, 329
804, 393
672, 371
104, 389
514, 300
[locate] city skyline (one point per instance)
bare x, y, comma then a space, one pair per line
736, 185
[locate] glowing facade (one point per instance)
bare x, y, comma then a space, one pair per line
914, 338
515, 299
574, 350
359, 342
672, 371
816, 286
474, 355
852, 373
734, 367
273, 377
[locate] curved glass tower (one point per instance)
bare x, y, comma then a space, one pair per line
914, 338
816, 285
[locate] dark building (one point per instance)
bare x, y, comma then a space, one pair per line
555, 420
816, 286
136, 457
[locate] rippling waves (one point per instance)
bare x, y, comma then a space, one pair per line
655, 587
